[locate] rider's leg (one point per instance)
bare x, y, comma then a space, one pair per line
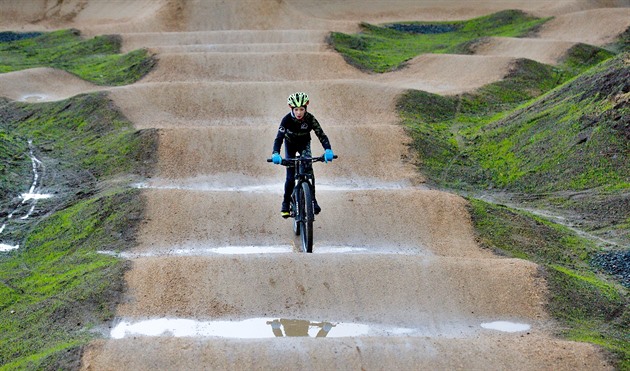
289, 182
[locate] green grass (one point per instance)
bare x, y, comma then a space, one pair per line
588, 306
572, 138
97, 60
14, 162
56, 291
569, 139
382, 49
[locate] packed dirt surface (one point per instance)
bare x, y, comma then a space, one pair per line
396, 280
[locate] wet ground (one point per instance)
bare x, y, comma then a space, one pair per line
396, 278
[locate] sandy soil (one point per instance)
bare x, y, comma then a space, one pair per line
389, 253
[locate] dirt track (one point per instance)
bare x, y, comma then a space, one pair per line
390, 255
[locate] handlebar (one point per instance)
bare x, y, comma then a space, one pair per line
290, 161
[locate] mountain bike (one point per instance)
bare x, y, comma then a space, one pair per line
302, 198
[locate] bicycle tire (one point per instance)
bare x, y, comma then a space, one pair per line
307, 218
297, 211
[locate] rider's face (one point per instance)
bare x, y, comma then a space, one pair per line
299, 112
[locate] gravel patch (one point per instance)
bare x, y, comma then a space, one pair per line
615, 263
427, 29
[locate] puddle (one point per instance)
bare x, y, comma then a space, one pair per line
254, 328
4, 247
198, 185
240, 250
260, 328
506, 326
225, 250
205, 187
32, 98
338, 249
34, 196
250, 250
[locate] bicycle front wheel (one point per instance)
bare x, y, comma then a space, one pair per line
306, 205
298, 210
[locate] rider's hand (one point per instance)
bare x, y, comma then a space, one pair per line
328, 155
276, 158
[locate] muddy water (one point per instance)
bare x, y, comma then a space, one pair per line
260, 328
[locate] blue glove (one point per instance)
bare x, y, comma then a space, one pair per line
328, 155
276, 158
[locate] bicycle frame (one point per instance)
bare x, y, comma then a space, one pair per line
301, 176
301, 198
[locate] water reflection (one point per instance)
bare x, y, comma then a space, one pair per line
506, 326
298, 327
253, 328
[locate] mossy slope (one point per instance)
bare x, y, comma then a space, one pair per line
97, 60
570, 147
385, 48
587, 305
56, 290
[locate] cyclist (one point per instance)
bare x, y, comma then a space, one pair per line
295, 129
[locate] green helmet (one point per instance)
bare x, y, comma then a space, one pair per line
298, 99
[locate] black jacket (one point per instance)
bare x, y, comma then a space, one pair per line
298, 133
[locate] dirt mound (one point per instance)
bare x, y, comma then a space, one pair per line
42, 85
448, 74
540, 50
119, 16
269, 66
587, 26
214, 154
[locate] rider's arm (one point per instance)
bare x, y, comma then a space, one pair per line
277, 143
323, 138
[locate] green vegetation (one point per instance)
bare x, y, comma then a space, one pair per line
56, 291
96, 60
587, 306
475, 140
550, 137
622, 44
573, 139
14, 163
384, 48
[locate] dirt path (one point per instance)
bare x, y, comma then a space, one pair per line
396, 280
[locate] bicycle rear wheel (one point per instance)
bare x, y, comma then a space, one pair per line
306, 205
